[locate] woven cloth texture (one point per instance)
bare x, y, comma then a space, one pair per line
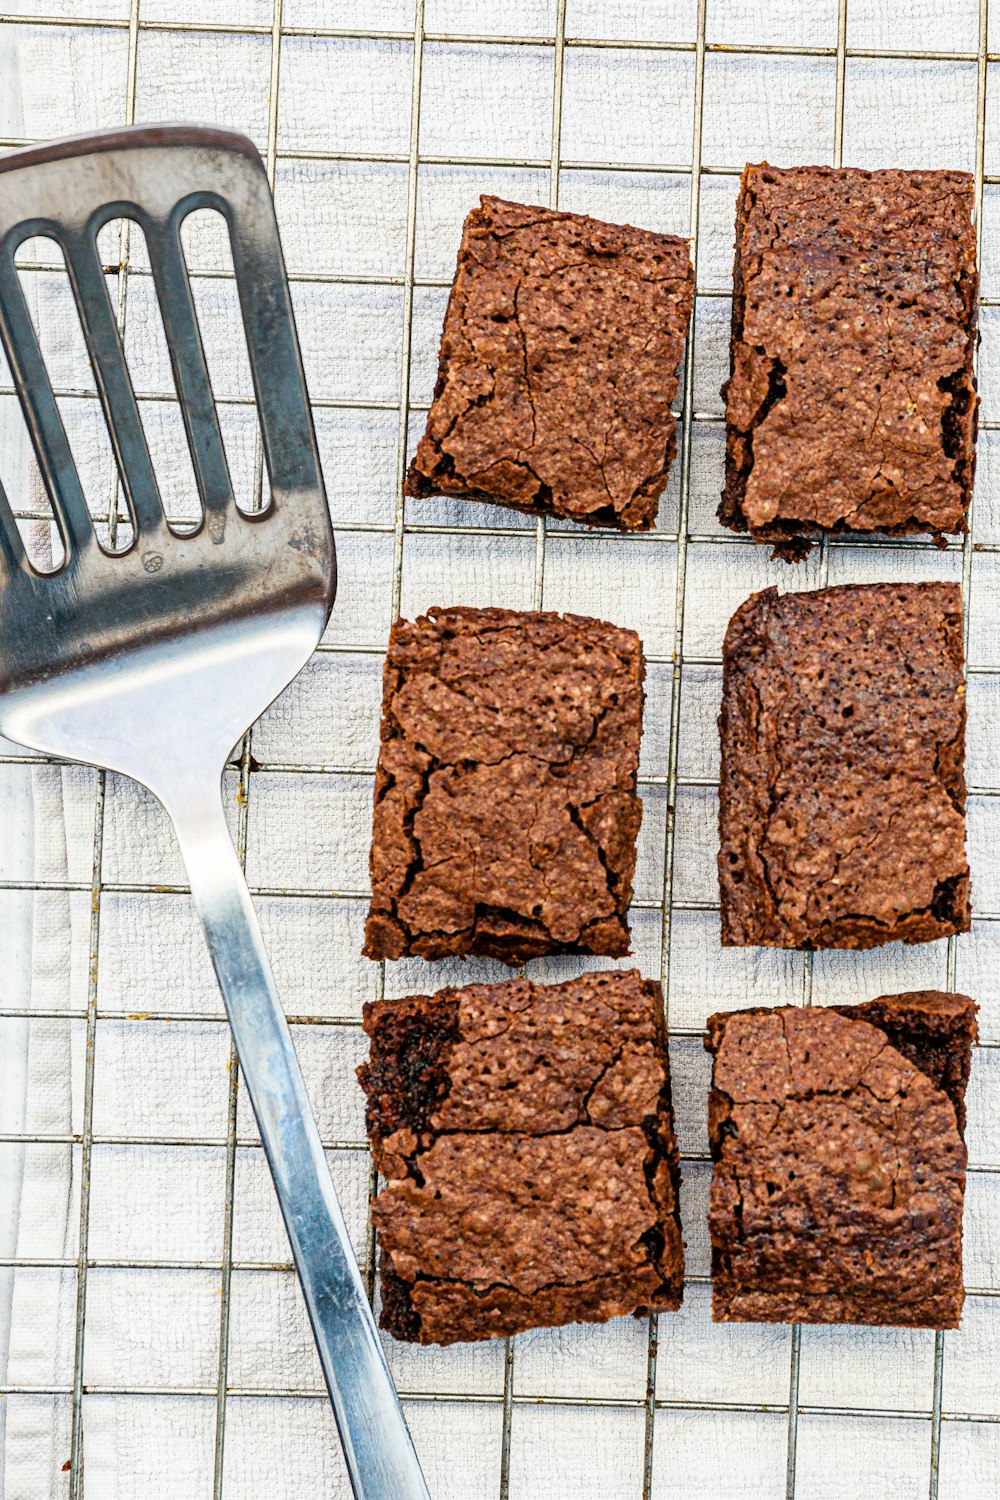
372, 185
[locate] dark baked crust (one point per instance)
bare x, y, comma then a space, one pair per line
842, 797
525, 1133
506, 811
839, 1174
851, 401
934, 1030
557, 368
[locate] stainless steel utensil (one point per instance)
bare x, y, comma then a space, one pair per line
154, 661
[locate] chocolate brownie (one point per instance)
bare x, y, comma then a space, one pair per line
526, 1137
506, 812
839, 1171
851, 402
557, 368
842, 799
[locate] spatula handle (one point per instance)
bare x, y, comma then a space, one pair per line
378, 1448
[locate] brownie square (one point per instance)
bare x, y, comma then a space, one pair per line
506, 812
842, 797
557, 367
526, 1139
851, 402
839, 1174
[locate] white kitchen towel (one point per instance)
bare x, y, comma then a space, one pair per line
339, 110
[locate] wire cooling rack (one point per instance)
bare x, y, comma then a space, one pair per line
134, 1181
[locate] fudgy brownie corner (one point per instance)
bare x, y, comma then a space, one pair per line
935, 1030
558, 365
839, 1162
506, 812
842, 790
851, 402
525, 1134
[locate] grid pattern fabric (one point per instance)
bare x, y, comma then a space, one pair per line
153, 1341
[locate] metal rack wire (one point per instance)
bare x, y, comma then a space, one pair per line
247, 767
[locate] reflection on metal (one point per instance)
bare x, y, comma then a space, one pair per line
154, 661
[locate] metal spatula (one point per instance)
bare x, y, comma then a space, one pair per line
153, 662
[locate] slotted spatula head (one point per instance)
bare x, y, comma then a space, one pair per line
243, 600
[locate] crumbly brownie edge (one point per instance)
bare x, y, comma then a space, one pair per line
933, 1029
406, 1075
501, 1312
792, 541
663, 1168
739, 446
665, 1241
398, 1316
404, 1079
736, 643
789, 542
735, 1304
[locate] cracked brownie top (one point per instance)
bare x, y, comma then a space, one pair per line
559, 361
506, 812
842, 796
851, 402
525, 1134
839, 1172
